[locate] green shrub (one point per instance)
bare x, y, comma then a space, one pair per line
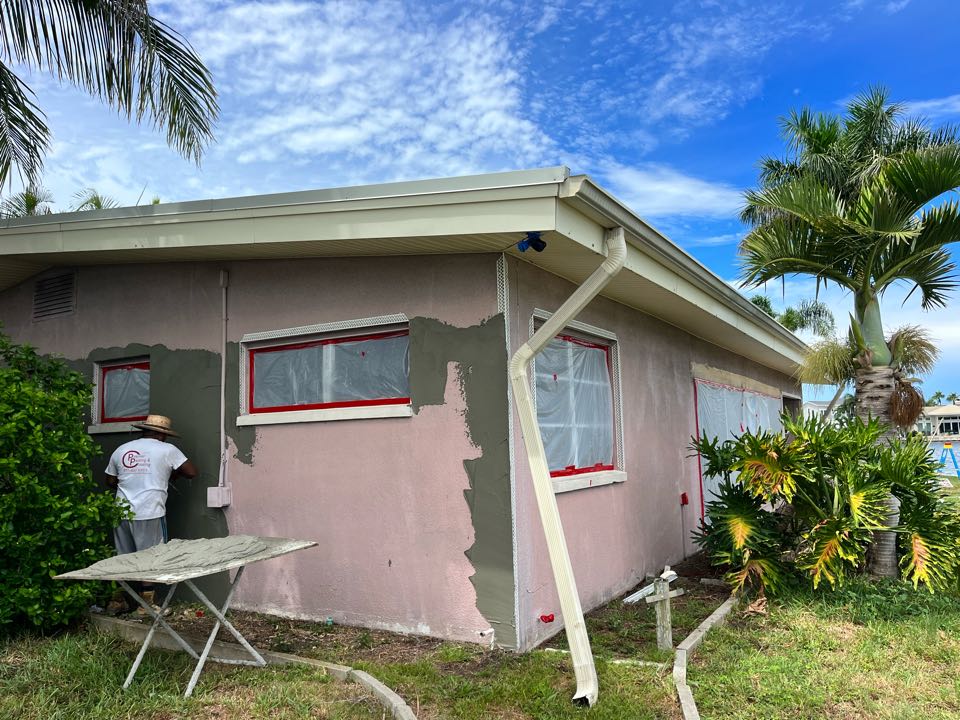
52, 517
805, 502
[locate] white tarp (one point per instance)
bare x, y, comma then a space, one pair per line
337, 372
126, 392
725, 412
575, 405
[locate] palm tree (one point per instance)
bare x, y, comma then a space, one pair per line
116, 51
90, 199
936, 398
833, 362
34, 200
810, 315
854, 206
953, 397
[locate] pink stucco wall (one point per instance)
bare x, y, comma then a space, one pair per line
384, 498
618, 533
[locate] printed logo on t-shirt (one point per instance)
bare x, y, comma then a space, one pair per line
136, 462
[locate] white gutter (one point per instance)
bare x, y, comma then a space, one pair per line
576, 628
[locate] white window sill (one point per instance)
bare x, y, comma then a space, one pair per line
587, 480
114, 427
326, 415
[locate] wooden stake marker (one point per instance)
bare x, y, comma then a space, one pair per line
661, 596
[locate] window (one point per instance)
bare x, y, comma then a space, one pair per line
123, 391
314, 373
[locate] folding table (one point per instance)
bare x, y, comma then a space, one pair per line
181, 561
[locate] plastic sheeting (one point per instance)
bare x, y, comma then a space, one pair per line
575, 406
725, 412
331, 372
126, 392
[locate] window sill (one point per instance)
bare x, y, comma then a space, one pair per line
587, 480
326, 415
113, 427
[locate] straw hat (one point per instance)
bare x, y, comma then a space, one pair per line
157, 423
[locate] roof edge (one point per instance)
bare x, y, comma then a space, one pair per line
581, 188
555, 175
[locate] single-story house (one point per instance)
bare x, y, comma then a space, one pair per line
940, 421
349, 348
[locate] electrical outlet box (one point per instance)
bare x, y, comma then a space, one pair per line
218, 496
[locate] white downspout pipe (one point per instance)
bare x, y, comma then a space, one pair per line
576, 628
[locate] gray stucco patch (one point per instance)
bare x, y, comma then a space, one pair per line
243, 437
185, 386
480, 351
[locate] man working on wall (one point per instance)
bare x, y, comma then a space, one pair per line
141, 471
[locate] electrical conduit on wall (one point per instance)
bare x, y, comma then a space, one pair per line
576, 629
220, 495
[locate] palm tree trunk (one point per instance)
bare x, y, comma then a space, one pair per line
874, 388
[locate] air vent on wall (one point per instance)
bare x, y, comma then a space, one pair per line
54, 295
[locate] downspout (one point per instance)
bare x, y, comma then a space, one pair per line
576, 628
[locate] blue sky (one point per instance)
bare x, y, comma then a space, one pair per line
669, 105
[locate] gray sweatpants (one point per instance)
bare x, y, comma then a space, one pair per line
133, 535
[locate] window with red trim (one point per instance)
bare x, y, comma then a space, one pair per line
575, 408
124, 391
331, 372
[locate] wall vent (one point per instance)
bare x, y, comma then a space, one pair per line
54, 295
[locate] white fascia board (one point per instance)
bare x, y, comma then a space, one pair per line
168, 225
652, 256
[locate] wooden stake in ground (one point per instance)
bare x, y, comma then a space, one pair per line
661, 596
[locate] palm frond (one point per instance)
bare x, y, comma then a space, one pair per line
32, 201
920, 176
90, 199
24, 135
828, 362
914, 353
119, 53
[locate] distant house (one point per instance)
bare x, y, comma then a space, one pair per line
940, 422
350, 348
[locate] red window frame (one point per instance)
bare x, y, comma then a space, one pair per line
104, 369
253, 352
599, 467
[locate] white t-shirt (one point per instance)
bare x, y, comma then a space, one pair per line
142, 468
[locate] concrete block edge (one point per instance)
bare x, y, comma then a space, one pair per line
688, 705
398, 708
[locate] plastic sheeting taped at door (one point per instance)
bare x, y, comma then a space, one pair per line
724, 412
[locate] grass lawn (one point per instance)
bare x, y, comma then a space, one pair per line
877, 651
79, 676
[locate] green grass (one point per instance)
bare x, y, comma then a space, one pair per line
878, 651
79, 676
468, 683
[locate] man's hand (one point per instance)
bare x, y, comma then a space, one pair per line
187, 470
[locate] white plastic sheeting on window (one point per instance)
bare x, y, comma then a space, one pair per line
331, 372
725, 412
126, 392
575, 406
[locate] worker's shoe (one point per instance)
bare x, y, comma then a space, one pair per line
149, 596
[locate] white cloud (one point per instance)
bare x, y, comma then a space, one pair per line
895, 6
713, 240
934, 108
657, 190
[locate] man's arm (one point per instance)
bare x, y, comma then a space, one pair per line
110, 481
186, 470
